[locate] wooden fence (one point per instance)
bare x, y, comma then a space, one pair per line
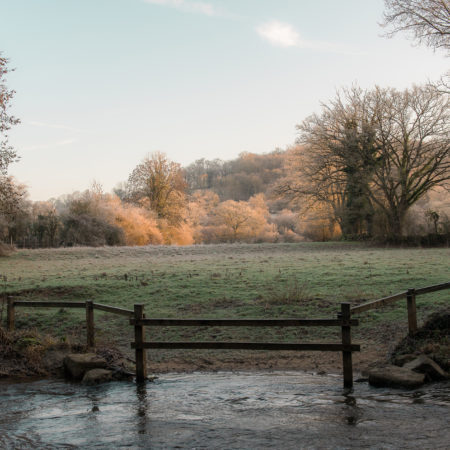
410, 296
138, 320
344, 321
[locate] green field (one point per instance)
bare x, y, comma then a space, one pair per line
303, 280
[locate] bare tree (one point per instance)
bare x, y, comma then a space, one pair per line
443, 84
413, 136
158, 184
427, 20
313, 180
380, 149
13, 208
7, 152
335, 158
11, 194
233, 221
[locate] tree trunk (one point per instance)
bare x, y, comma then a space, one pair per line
396, 222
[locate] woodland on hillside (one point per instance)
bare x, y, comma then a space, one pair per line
254, 198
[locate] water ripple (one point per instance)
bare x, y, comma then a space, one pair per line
223, 410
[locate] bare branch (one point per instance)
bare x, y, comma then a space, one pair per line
428, 21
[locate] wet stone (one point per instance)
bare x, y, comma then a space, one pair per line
401, 360
424, 364
77, 364
396, 377
96, 376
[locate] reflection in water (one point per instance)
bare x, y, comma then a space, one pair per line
352, 411
223, 410
142, 407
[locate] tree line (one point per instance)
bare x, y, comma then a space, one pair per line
284, 196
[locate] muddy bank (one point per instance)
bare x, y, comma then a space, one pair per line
432, 339
30, 354
322, 362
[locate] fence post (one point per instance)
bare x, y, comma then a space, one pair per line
412, 313
347, 341
10, 314
141, 362
90, 324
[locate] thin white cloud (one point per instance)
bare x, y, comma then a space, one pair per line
53, 125
281, 34
188, 6
62, 143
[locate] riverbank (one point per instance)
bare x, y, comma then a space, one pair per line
32, 354
432, 339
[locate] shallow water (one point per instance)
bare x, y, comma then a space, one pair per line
243, 410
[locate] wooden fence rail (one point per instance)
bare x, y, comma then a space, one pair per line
410, 296
88, 305
241, 322
344, 321
434, 288
114, 310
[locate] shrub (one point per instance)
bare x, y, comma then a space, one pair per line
92, 231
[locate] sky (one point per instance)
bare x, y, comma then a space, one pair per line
101, 84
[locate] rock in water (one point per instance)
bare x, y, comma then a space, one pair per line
95, 376
77, 364
423, 364
396, 377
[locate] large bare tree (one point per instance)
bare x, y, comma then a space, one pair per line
427, 20
413, 135
334, 158
381, 149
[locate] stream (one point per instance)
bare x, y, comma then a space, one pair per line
233, 410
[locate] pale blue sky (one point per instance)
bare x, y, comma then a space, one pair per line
102, 83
